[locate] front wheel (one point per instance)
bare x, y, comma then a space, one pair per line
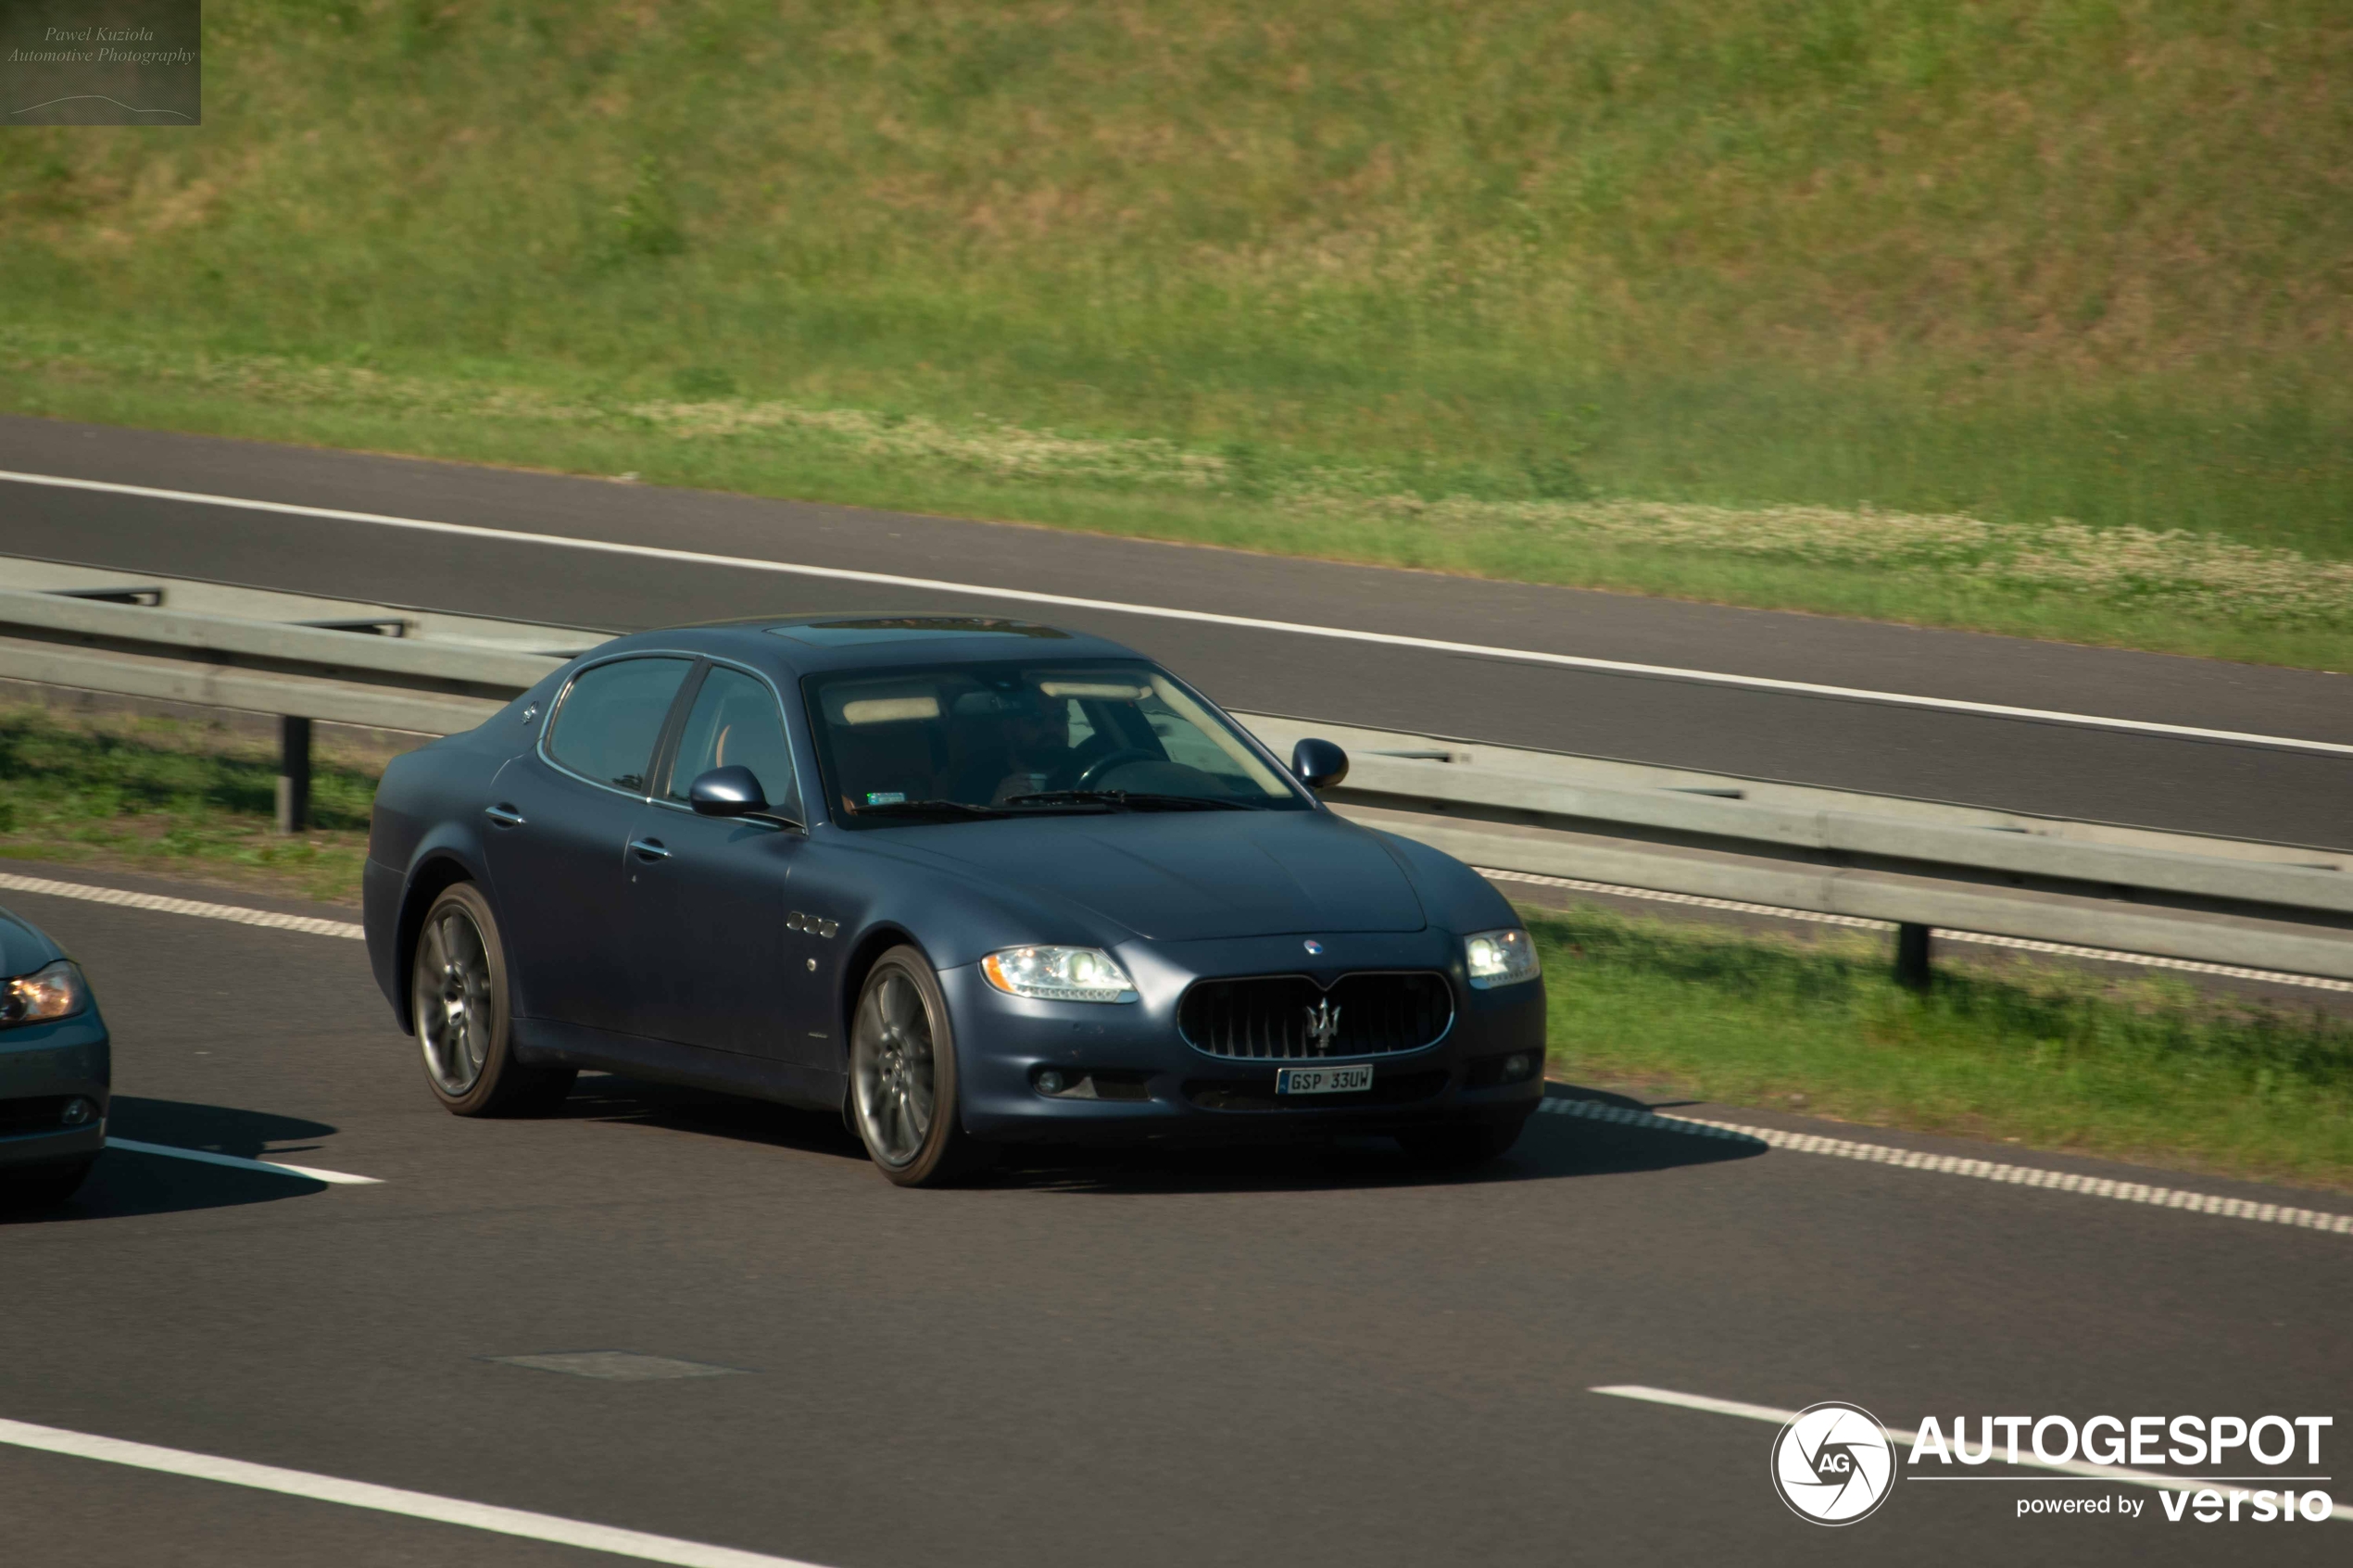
903, 1075
458, 992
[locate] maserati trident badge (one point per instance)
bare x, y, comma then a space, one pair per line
1322, 1025
1313, 946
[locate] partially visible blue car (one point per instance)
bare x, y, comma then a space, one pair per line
55, 1069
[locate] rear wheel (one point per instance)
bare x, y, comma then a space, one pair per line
459, 993
903, 1075
1461, 1145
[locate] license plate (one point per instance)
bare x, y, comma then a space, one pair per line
1321, 1080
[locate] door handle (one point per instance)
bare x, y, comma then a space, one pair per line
649, 848
503, 815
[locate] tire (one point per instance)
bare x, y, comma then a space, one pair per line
1461, 1145
457, 991
903, 1075
43, 1187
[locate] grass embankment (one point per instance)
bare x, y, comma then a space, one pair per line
1834, 304
177, 797
2146, 1069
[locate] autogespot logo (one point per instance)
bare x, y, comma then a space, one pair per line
1834, 1463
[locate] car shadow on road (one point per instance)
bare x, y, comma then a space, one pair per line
1622, 1139
126, 1181
1587, 1133
601, 1097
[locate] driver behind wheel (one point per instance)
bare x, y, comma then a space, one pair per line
1025, 743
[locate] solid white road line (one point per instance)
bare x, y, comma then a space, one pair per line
1956, 1165
388, 1500
1978, 939
1897, 1435
274, 1167
310, 925
1028, 595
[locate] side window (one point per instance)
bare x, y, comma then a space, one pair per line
606, 725
734, 724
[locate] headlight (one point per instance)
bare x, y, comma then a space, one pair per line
1059, 974
57, 991
1499, 957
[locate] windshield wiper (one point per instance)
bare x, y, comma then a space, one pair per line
1136, 800
930, 808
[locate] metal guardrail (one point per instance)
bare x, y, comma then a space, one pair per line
1918, 864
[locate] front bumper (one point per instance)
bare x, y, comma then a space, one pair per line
41, 1067
1184, 1095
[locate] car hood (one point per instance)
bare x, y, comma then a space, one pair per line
23, 947
1186, 876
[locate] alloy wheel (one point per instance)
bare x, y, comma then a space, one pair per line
895, 1069
453, 1001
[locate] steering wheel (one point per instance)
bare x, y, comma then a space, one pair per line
1090, 776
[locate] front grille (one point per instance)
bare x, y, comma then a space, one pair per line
1289, 1018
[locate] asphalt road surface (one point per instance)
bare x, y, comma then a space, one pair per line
2192, 785
1318, 1359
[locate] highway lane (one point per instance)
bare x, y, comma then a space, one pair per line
1280, 1359
2193, 786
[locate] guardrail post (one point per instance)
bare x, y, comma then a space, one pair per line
1911, 957
294, 774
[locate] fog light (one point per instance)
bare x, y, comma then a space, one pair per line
1050, 1082
1518, 1065
77, 1111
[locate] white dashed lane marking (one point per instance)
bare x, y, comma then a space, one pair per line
238, 1162
1957, 1165
307, 924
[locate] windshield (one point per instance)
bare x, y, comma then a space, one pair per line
1014, 739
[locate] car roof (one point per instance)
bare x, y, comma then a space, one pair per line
875, 640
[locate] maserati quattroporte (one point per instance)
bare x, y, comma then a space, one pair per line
974, 882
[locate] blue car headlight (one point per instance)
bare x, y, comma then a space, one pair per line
54, 991
1499, 957
1059, 974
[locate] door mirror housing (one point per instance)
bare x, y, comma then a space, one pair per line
1318, 764
732, 791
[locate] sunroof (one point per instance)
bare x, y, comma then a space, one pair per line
909, 628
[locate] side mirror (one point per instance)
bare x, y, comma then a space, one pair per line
727, 792
1319, 764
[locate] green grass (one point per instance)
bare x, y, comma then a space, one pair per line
1369, 279
175, 797
2148, 1070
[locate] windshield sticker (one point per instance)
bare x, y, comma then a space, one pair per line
887, 797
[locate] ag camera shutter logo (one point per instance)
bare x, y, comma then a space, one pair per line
1834, 1463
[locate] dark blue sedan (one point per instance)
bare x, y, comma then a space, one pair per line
973, 882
